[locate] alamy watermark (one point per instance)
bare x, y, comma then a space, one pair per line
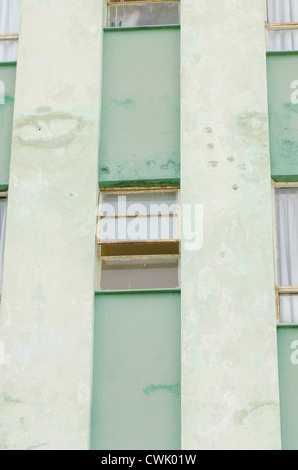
2, 354
2, 92
126, 221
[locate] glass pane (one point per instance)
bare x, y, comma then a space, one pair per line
139, 274
146, 14
140, 249
138, 228
287, 235
141, 203
288, 309
283, 40
8, 51
9, 24
282, 11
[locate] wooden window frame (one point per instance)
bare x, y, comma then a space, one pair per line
277, 26
280, 290
133, 2
176, 243
9, 37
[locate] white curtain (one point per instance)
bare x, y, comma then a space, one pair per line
287, 238
3, 207
9, 24
283, 11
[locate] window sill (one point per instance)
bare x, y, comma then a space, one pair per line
287, 325
269, 53
8, 63
141, 28
139, 291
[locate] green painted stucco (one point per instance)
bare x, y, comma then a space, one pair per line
7, 77
288, 378
140, 130
136, 371
230, 396
282, 71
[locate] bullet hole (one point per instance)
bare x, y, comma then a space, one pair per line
242, 167
213, 164
230, 159
235, 187
208, 130
210, 146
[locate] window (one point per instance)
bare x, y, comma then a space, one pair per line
3, 207
282, 26
127, 14
286, 213
138, 239
9, 28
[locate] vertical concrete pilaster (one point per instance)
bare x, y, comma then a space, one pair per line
230, 396
46, 321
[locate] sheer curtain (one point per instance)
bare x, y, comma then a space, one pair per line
3, 206
9, 24
283, 11
287, 241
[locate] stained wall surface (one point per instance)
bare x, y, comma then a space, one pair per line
136, 376
140, 130
230, 396
46, 321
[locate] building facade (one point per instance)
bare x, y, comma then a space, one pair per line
149, 224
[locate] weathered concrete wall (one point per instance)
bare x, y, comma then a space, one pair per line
48, 290
230, 394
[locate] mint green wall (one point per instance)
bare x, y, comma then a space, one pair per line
282, 71
288, 373
140, 135
136, 374
7, 76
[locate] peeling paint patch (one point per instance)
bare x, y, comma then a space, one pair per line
48, 130
241, 167
259, 418
105, 170
37, 446
252, 123
8, 399
43, 109
171, 164
126, 103
176, 388
290, 107
290, 147
213, 164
